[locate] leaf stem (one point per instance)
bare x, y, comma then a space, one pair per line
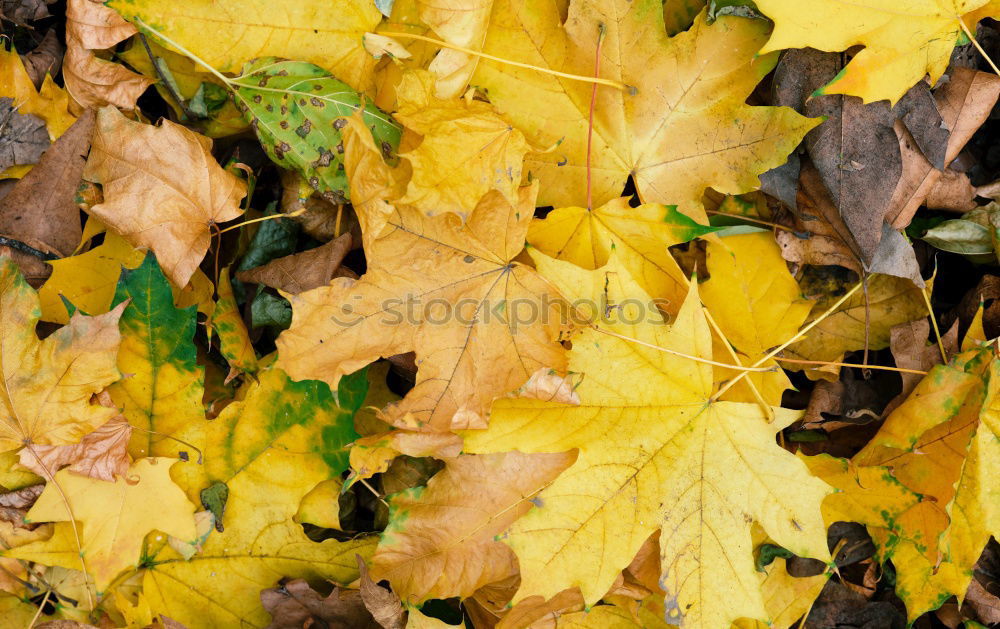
573, 77
972, 38
828, 363
187, 53
590, 116
934, 323
777, 350
298, 212
697, 359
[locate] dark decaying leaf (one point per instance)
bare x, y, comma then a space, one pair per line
41, 212
302, 271
855, 150
22, 11
295, 109
297, 606
46, 58
23, 137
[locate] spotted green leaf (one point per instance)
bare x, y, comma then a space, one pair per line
295, 108
163, 392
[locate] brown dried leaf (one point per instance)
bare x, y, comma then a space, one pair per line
985, 604
46, 58
101, 454
295, 605
91, 81
965, 102
163, 190
384, 605
303, 271
23, 137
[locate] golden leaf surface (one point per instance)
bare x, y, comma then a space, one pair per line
655, 452
114, 517
449, 291
47, 385
680, 127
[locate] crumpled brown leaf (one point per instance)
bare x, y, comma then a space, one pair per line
965, 102
41, 211
163, 190
384, 605
14, 505
101, 454
23, 137
23, 11
91, 81
296, 605
45, 58
303, 271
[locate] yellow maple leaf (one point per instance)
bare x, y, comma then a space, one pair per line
448, 290
50, 102
228, 33
151, 196
682, 125
270, 449
639, 237
756, 303
465, 151
903, 39
114, 517
462, 23
47, 385
654, 446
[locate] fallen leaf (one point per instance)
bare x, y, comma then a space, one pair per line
663, 480
40, 211
227, 322
903, 41
639, 237
44, 59
303, 271
890, 301
296, 110
383, 604
162, 393
304, 30
854, 150
160, 205
965, 102
48, 384
464, 361
295, 605
672, 130
90, 80
23, 137
114, 517
441, 539
465, 149
22, 11
269, 449
102, 454
461, 23
50, 102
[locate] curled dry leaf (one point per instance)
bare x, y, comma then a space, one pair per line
41, 210
162, 189
383, 604
23, 137
442, 542
44, 59
48, 384
303, 271
415, 262
295, 605
102, 454
90, 80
